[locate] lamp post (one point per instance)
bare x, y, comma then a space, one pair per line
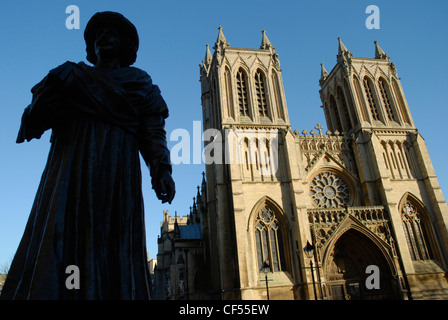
265, 268
309, 252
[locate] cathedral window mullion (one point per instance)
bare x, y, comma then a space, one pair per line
260, 88
413, 228
241, 82
386, 100
370, 99
269, 245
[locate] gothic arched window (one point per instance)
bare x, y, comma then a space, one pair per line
229, 97
368, 88
269, 241
241, 86
260, 87
400, 100
362, 105
337, 125
345, 111
385, 95
278, 96
415, 231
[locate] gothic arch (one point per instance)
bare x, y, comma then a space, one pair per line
399, 97
229, 85
258, 66
277, 94
348, 225
267, 201
372, 98
417, 226
261, 92
335, 115
343, 108
411, 197
366, 72
242, 81
387, 98
361, 101
349, 99
345, 258
381, 74
240, 63
268, 231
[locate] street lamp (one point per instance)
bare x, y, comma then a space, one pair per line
309, 252
265, 268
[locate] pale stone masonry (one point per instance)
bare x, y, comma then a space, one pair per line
363, 193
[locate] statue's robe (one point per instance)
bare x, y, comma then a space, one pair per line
88, 211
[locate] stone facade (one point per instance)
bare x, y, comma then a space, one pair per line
363, 193
179, 270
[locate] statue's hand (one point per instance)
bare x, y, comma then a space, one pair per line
166, 188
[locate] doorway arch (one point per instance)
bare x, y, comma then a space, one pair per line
345, 269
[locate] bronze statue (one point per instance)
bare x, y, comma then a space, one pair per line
88, 211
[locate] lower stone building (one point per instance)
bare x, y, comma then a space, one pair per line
179, 259
355, 212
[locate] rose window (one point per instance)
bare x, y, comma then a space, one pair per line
328, 190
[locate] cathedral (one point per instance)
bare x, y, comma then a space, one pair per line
355, 212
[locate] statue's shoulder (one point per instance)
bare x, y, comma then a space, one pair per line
63, 70
54, 75
140, 74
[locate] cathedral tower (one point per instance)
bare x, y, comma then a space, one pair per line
363, 101
244, 108
242, 86
315, 211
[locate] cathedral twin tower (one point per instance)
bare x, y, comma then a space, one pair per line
363, 193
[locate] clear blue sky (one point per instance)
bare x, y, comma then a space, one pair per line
173, 35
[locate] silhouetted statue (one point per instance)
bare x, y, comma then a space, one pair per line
88, 211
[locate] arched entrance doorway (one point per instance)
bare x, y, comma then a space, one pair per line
345, 269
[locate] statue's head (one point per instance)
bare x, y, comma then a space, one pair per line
115, 25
